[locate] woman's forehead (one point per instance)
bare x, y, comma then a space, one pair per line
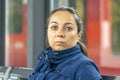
62, 15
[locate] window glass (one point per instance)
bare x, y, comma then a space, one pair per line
116, 27
14, 16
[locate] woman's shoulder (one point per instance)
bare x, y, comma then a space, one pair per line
81, 58
87, 67
85, 62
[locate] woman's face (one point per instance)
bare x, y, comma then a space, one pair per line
62, 31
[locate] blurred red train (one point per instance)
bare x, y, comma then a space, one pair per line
98, 38
16, 39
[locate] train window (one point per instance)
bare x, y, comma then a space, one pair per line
14, 16
115, 27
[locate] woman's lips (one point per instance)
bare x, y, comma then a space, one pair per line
59, 43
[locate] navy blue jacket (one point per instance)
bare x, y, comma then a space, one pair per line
68, 64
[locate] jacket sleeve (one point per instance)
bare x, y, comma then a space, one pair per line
88, 71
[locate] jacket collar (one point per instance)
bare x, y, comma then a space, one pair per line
58, 56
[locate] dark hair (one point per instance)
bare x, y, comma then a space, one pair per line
78, 21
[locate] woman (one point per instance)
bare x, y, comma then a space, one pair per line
65, 59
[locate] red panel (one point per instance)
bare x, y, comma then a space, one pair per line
98, 29
93, 29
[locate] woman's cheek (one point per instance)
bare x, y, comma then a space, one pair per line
50, 37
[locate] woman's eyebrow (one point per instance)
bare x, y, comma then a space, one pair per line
53, 22
68, 23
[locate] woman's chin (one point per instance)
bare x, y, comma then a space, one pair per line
59, 48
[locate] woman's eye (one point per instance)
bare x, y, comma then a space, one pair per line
54, 27
68, 28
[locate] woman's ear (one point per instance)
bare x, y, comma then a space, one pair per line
80, 34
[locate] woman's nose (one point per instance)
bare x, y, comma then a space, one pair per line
60, 33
